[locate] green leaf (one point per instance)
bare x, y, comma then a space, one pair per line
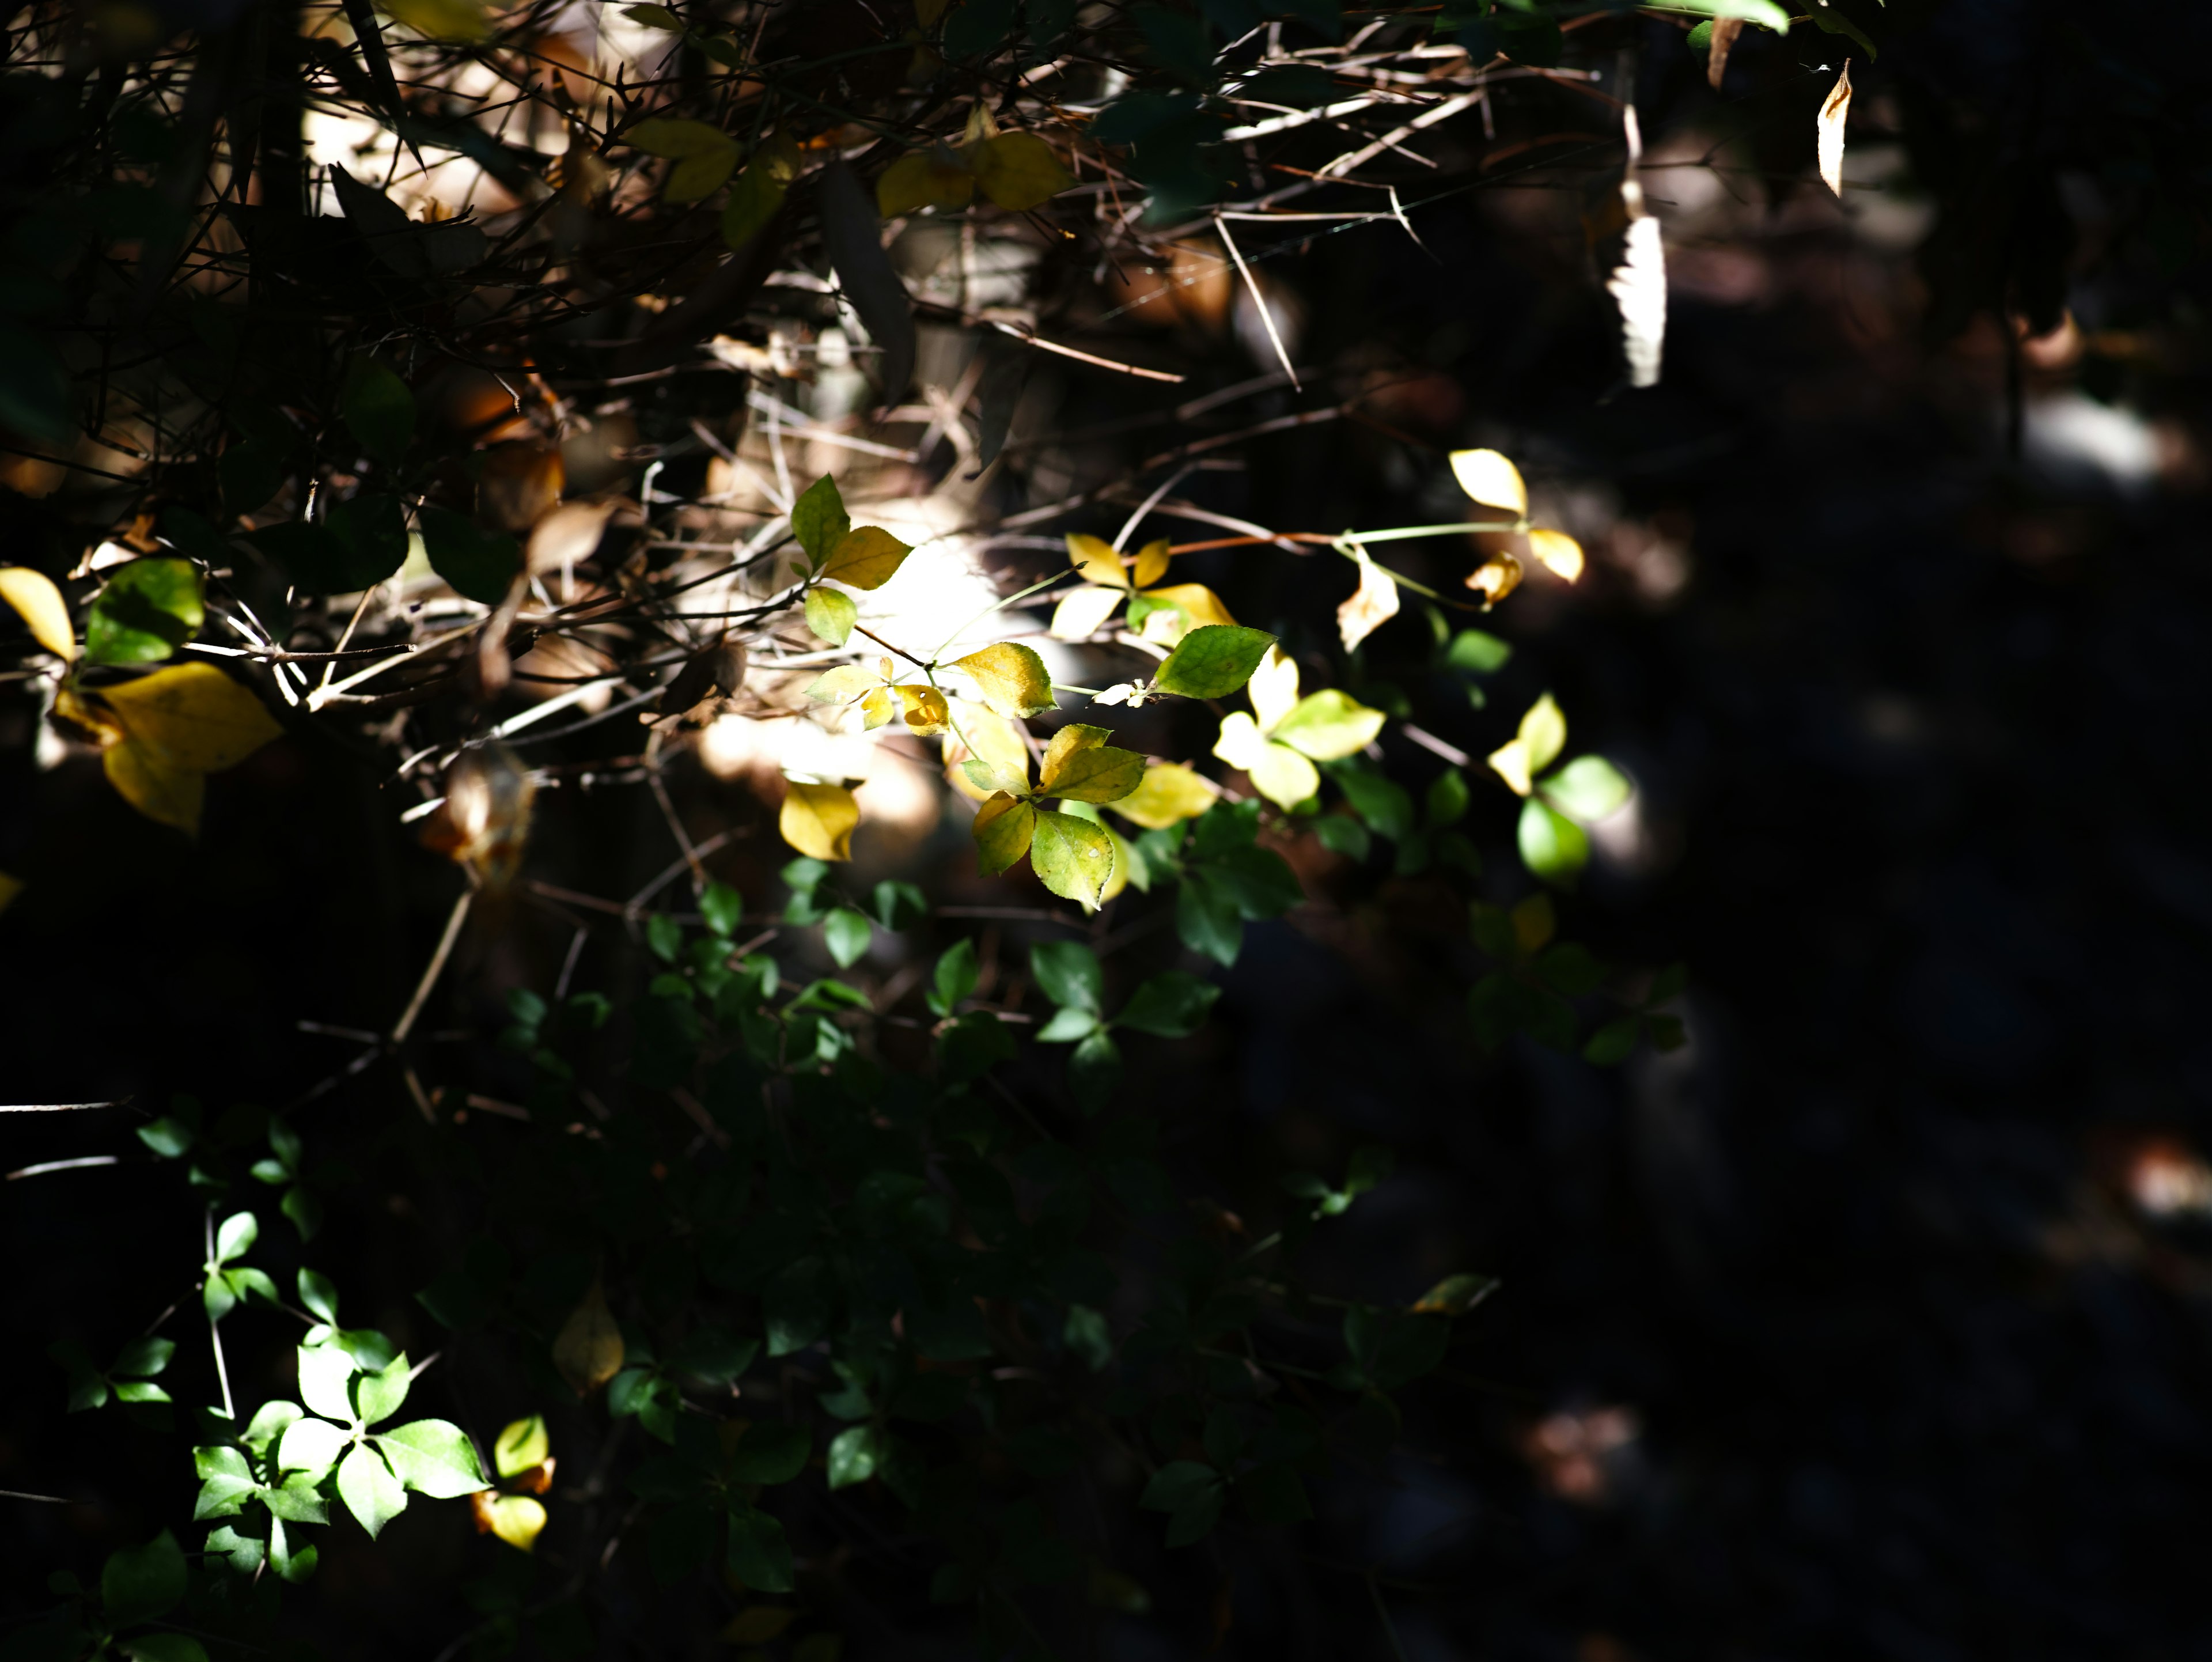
478, 565
1094, 1070
320, 1297
1213, 661
294, 1564
313, 1446
1587, 789
1171, 1005
1831, 22
797, 1306
899, 905
268, 1424
1381, 803
713, 1353
854, 1454
139, 1583
1570, 968
142, 1359
148, 609
1328, 726
325, 1372
1067, 1024
1477, 652
378, 409
1080, 766
1551, 845
236, 1236
1448, 799
760, 1557
1072, 857
819, 519
244, 1551
1764, 12
1175, 1484
433, 1457
371, 1492
954, 979
723, 908
846, 933
770, 1452
168, 1138
162, 1647
381, 1394
832, 613
1613, 1042
1070, 974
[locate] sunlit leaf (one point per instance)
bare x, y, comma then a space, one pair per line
997, 745
1095, 561
830, 614
866, 558
1491, 479
313, 1446
1329, 726
1551, 845
1373, 603
148, 609
588, 1349
515, 1519
1019, 171
1753, 11
818, 819
924, 709
1082, 611
371, 1492
434, 1457
1587, 789
1012, 678
1168, 794
1212, 662
1173, 610
843, 683
1495, 578
1542, 734
1071, 857
193, 715
1004, 828
1081, 766
1557, 552
854, 1454
1835, 111
522, 1445
1281, 775
1273, 688
32, 594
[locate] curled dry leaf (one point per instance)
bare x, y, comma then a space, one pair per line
1495, 578
1835, 111
1725, 30
485, 821
588, 1349
1373, 603
719, 669
568, 534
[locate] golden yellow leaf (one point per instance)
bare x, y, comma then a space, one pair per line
522, 1445
1082, 611
1491, 479
440, 20
154, 785
1373, 603
1012, 678
33, 594
989, 738
865, 558
1273, 689
759, 1624
194, 715
515, 1518
934, 178
818, 820
1725, 30
1003, 828
1018, 171
1080, 765
1495, 578
923, 710
1151, 563
1835, 111
1557, 552
1095, 560
1168, 794
588, 1349
9, 888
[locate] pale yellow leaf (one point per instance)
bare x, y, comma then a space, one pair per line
1082, 611
1012, 678
1835, 111
515, 1518
156, 785
1018, 171
1509, 761
987, 737
522, 1445
1180, 608
194, 715
1557, 553
865, 558
32, 594
818, 820
1095, 560
1725, 30
1328, 726
1168, 794
588, 1349
1273, 689
1151, 563
1491, 479
1241, 740
1638, 288
1282, 776
1544, 732
1373, 603
934, 178
843, 684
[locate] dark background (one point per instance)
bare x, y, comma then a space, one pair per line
1894, 1358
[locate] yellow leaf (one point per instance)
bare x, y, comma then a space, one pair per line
818, 820
1003, 828
877, 707
1168, 794
1180, 608
1081, 766
522, 1445
588, 1349
934, 178
843, 684
1328, 726
33, 594
1095, 560
515, 1518
1558, 552
154, 785
1151, 563
1282, 776
9, 888
1082, 611
1018, 171
1495, 578
1543, 734
1124, 862
989, 738
924, 710
1835, 111
194, 715
1241, 740
1509, 761
678, 139
865, 558
759, 1624
440, 20
1273, 689
1490, 479
1373, 603
1012, 678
